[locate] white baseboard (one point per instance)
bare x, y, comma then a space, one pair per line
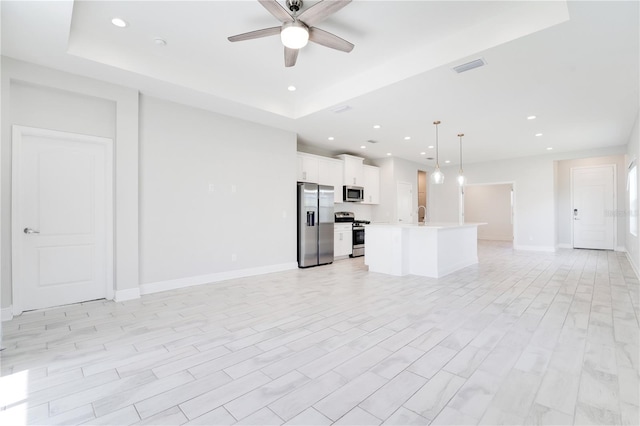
569, 246
633, 265
128, 294
535, 248
6, 314
158, 286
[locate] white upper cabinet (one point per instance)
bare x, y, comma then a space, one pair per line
307, 168
330, 173
348, 170
353, 172
371, 177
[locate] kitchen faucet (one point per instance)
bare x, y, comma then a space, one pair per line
424, 222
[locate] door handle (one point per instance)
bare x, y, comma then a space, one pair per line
30, 231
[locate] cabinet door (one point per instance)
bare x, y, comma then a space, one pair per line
353, 172
330, 173
343, 241
307, 168
371, 176
352, 169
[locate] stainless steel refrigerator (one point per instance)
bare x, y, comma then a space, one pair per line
315, 224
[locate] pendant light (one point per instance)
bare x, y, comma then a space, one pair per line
461, 179
437, 176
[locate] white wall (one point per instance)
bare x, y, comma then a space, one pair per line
189, 229
392, 171
534, 213
490, 204
633, 153
41, 97
534, 194
564, 212
187, 233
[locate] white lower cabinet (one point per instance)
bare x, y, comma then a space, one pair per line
342, 240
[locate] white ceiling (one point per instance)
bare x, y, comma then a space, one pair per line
575, 65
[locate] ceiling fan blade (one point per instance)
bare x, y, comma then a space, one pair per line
327, 39
265, 32
290, 57
319, 11
276, 10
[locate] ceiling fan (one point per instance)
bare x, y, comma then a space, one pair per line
296, 29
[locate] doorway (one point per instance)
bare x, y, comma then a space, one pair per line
593, 201
62, 218
491, 204
422, 195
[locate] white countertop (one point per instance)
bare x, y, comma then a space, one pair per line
429, 225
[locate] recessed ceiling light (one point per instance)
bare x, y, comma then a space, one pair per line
118, 22
388, 153
406, 138
430, 147
447, 161
538, 134
549, 148
331, 138
376, 126
531, 117
423, 153
291, 88
362, 146
160, 41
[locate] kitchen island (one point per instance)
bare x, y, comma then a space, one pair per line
431, 250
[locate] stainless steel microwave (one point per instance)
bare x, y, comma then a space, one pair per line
352, 194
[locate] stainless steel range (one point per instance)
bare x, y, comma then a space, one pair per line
358, 237
357, 227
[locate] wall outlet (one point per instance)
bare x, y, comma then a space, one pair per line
284, 214
234, 257
233, 189
212, 188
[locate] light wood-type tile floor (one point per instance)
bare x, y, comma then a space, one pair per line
521, 338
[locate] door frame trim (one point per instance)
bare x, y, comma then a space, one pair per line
16, 247
614, 168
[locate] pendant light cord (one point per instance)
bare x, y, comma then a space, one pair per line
437, 145
460, 135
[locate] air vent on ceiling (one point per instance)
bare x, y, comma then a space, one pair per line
341, 108
372, 141
470, 65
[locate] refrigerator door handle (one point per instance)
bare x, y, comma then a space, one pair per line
311, 218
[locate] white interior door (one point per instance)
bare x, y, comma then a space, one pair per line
405, 202
61, 218
593, 207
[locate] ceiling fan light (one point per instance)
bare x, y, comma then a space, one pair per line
294, 35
